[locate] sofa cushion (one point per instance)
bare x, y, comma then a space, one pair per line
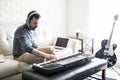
23, 66
9, 57
8, 67
14, 77
4, 49
6, 40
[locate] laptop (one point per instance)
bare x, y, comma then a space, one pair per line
61, 43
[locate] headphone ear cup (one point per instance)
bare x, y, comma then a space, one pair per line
27, 21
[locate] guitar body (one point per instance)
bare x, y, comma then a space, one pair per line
101, 54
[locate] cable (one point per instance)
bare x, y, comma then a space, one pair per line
113, 68
115, 71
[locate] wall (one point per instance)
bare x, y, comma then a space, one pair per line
53, 12
61, 17
101, 21
78, 16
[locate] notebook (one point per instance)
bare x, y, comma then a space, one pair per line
61, 43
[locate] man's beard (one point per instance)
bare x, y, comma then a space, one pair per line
32, 28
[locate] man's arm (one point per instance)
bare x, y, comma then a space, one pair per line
38, 53
28, 48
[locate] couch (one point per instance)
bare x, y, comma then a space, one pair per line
11, 67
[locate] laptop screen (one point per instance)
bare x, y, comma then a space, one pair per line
62, 42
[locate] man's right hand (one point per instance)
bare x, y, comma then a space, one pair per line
40, 53
50, 56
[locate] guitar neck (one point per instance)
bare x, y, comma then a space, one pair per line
115, 19
109, 41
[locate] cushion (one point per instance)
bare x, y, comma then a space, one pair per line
23, 66
14, 77
6, 41
9, 67
9, 57
5, 49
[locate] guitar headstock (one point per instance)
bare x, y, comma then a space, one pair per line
116, 17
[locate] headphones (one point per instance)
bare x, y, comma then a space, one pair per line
28, 19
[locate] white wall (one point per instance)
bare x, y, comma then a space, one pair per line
61, 17
94, 18
53, 12
101, 19
78, 16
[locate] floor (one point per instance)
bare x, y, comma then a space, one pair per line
110, 74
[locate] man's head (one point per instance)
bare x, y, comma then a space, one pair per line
32, 20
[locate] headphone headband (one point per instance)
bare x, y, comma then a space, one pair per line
28, 19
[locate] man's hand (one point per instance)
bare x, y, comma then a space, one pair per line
50, 56
40, 53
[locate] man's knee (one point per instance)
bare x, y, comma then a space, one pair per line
30, 58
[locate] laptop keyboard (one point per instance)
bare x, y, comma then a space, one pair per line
59, 48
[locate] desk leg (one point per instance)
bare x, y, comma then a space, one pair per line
82, 45
104, 74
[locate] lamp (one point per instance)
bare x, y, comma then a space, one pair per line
77, 32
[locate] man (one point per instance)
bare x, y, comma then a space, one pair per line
24, 47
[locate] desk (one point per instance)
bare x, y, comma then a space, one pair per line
84, 43
77, 73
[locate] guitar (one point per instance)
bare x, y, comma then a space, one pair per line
107, 50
